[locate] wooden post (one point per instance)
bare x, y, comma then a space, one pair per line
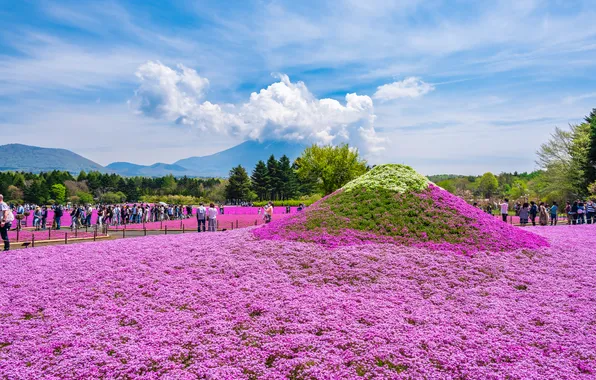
232, 225
236, 223
33, 240
166, 230
161, 224
50, 233
145, 230
123, 233
182, 227
66, 238
76, 231
94, 234
18, 229
255, 222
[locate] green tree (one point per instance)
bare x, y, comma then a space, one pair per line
238, 187
82, 176
85, 198
331, 166
259, 180
289, 182
518, 189
448, 186
564, 159
58, 193
273, 179
488, 185
591, 161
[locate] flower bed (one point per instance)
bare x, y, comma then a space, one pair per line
401, 209
227, 305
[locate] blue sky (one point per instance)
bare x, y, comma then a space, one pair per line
445, 86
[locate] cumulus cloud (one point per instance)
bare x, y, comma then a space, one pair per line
411, 87
282, 111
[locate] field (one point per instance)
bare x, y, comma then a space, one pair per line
388, 277
227, 305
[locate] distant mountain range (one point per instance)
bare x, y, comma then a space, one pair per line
18, 157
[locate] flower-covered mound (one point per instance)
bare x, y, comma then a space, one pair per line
229, 306
402, 208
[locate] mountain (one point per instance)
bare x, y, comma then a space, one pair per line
18, 157
155, 170
246, 154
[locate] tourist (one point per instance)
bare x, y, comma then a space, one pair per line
268, 212
533, 212
37, 218
581, 211
543, 215
44, 217
212, 215
524, 212
6, 219
553, 214
505, 210
573, 212
590, 212
89, 215
201, 213
568, 212
58, 212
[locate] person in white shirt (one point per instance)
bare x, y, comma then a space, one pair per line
212, 218
201, 216
505, 210
6, 219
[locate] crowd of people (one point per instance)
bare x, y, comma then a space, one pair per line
578, 212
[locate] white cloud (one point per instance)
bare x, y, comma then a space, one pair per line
411, 87
282, 111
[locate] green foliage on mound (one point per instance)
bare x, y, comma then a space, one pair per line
395, 177
385, 212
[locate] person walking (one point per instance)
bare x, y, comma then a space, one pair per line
58, 215
505, 210
573, 212
212, 215
524, 212
581, 212
533, 212
201, 214
6, 219
568, 212
543, 215
44, 217
590, 212
553, 214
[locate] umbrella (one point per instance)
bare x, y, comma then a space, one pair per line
162, 203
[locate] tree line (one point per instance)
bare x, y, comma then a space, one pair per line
567, 171
319, 170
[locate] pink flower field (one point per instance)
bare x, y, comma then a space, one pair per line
230, 306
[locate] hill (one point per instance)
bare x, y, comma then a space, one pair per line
18, 157
246, 154
155, 170
394, 204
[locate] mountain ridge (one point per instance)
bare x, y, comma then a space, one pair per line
27, 158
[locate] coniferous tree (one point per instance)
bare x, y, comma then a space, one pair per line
274, 181
260, 180
289, 185
238, 187
591, 169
